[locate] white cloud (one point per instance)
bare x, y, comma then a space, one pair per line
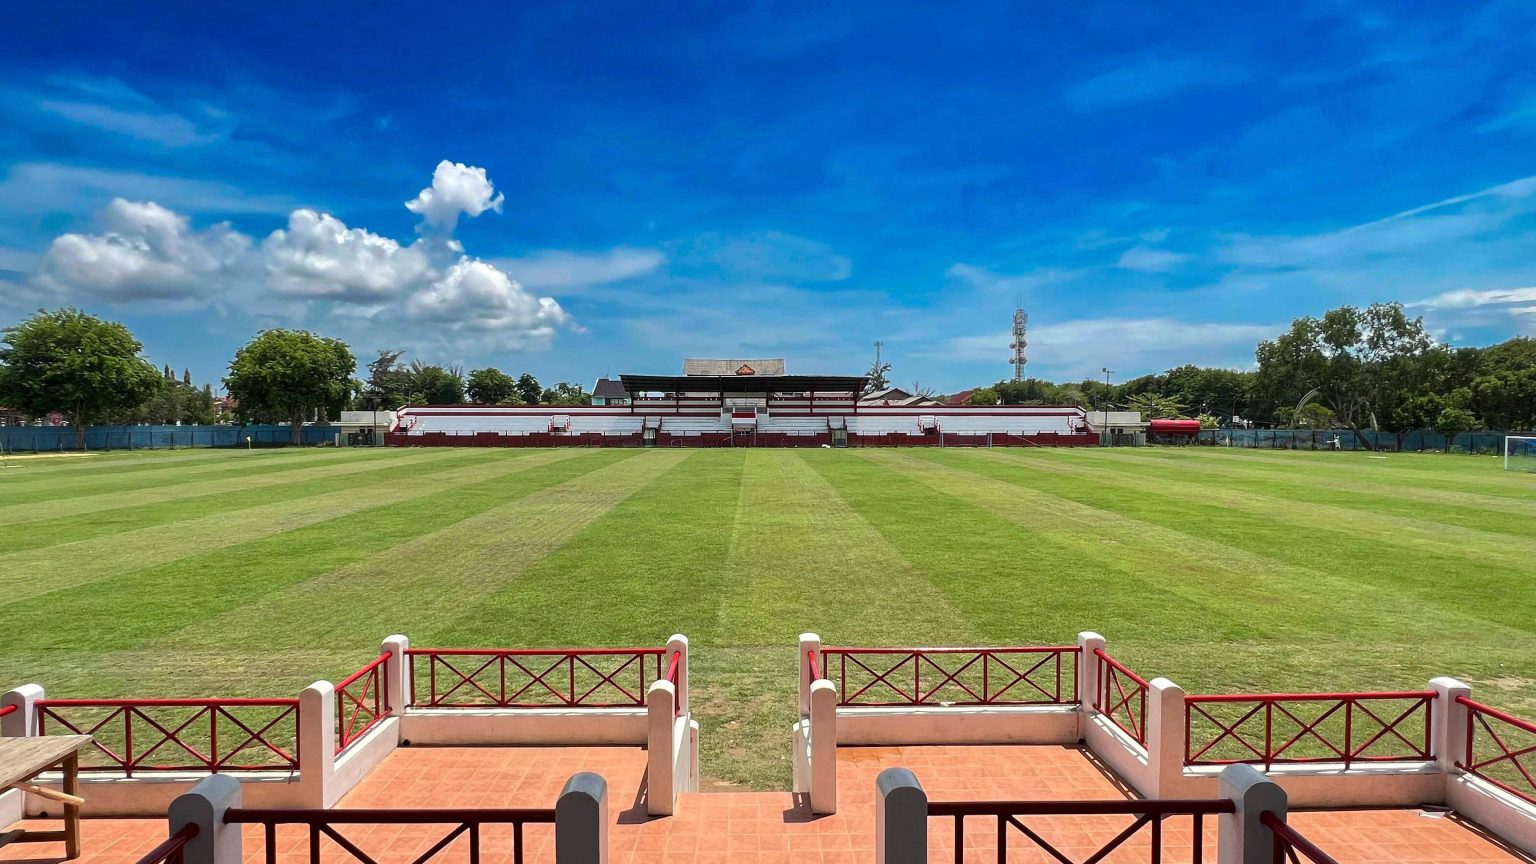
475, 297
456, 188
1468, 299
171, 130
319, 257
1146, 259
557, 269
992, 282
765, 256
147, 252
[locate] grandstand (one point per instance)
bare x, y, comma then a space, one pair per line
742, 410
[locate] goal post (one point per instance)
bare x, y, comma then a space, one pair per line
1520, 453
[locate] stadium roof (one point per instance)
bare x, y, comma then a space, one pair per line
743, 383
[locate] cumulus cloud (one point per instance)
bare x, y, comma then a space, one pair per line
146, 252
318, 257
474, 296
456, 188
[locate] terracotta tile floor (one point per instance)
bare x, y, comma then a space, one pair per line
775, 827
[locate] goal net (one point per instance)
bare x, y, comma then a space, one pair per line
1520, 453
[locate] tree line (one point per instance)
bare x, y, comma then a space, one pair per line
93, 372
1372, 368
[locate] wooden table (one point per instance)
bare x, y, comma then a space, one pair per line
22, 759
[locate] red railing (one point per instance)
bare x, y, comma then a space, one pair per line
813, 666
1121, 696
1290, 845
1505, 764
322, 823
533, 678
360, 702
674, 673
170, 850
7, 709
1308, 727
1147, 814
180, 734
953, 676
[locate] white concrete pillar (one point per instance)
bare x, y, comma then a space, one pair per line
1448, 724
581, 820
317, 741
204, 805
1241, 837
693, 756
397, 675
823, 747
678, 644
1166, 711
1087, 677
809, 642
22, 722
901, 818
660, 721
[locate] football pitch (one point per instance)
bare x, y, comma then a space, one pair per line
217, 573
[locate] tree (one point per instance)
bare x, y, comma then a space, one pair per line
528, 389
74, 363
434, 385
1353, 357
984, 396
566, 393
1153, 407
292, 374
1452, 422
491, 386
186, 377
1315, 415
388, 383
879, 376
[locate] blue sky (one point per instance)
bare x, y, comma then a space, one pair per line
612, 186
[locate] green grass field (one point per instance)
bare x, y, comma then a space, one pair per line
242, 574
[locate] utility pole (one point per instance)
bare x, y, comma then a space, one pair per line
1104, 409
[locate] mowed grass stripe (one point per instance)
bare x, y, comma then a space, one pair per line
135, 607
241, 465
1006, 580
1415, 561
1487, 547
66, 567
653, 566
288, 486
1218, 581
1453, 507
131, 461
1448, 472
793, 545
424, 584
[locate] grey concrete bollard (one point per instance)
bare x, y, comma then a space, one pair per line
901, 818
1241, 837
581, 820
204, 806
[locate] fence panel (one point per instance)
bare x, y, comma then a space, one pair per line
1308, 727
953, 676
533, 678
138, 735
53, 439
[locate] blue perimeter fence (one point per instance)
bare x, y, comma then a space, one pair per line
51, 439
1489, 442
